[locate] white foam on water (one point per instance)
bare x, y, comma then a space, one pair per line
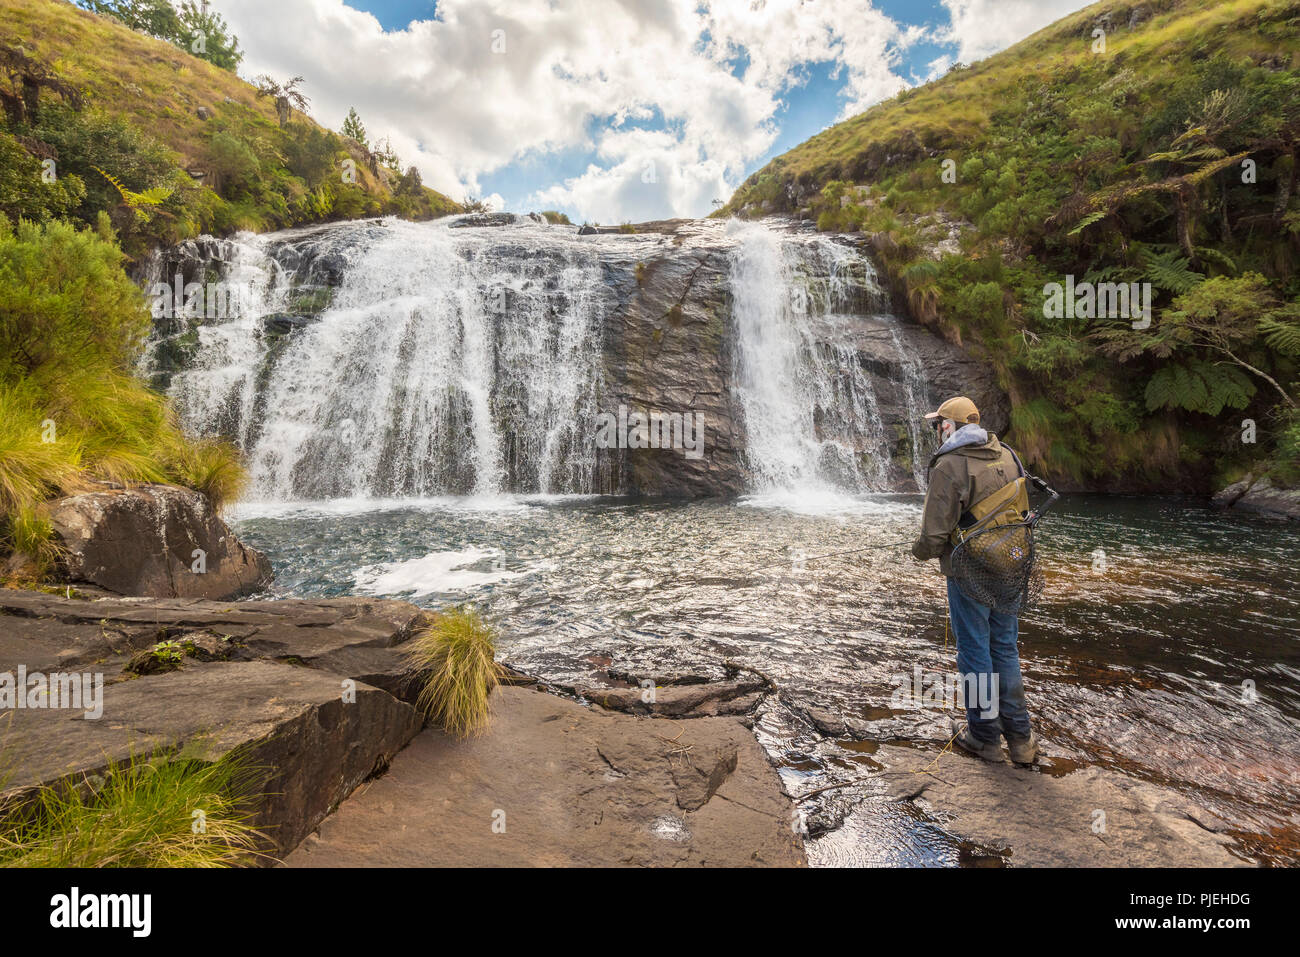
824, 500
360, 505
435, 573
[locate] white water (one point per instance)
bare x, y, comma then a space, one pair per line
469, 362
813, 425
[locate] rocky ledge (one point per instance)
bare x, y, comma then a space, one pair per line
316, 696
1259, 495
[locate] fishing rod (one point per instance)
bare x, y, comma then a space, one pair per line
854, 551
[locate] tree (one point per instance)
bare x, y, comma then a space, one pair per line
1208, 332
154, 17
205, 34
287, 96
384, 152
353, 127
231, 162
27, 77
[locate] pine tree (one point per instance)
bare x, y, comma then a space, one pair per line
354, 128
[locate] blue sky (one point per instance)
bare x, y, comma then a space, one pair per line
611, 110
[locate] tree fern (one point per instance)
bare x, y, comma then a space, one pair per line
1281, 333
153, 196
1199, 386
1088, 221
1168, 271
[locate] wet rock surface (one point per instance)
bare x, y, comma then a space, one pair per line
1088, 818
564, 785
155, 541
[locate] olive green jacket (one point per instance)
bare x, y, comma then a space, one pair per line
958, 479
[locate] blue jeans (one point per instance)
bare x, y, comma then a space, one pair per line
986, 645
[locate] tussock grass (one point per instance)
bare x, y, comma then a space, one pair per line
140, 813
458, 654
210, 466
72, 412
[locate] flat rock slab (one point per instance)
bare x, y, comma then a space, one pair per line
1036, 819
354, 638
554, 783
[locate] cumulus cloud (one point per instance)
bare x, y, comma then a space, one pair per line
670, 101
979, 28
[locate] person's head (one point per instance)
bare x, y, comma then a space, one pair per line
952, 415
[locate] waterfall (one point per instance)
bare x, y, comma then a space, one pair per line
812, 418
444, 361
384, 359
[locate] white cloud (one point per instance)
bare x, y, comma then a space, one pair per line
493, 81
982, 27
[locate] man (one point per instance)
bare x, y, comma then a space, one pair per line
970, 466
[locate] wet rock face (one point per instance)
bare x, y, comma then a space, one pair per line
156, 541
672, 346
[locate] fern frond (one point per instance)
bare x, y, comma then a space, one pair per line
1088, 221
1280, 335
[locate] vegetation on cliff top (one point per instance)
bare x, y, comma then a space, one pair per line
99, 117
1151, 142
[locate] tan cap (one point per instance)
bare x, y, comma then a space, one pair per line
960, 409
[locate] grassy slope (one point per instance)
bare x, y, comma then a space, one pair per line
954, 111
1032, 130
158, 89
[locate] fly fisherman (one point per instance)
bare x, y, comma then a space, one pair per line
974, 478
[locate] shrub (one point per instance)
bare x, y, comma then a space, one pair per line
71, 408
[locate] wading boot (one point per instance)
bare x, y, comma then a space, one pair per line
1023, 750
962, 738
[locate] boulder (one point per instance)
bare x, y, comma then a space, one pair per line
155, 541
307, 743
1262, 497
311, 692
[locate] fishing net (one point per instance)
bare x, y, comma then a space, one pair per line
996, 567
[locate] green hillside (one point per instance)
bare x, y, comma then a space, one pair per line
1165, 156
86, 91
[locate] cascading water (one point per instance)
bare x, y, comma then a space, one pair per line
386, 359
811, 413
446, 361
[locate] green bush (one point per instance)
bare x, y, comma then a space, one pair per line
71, 408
